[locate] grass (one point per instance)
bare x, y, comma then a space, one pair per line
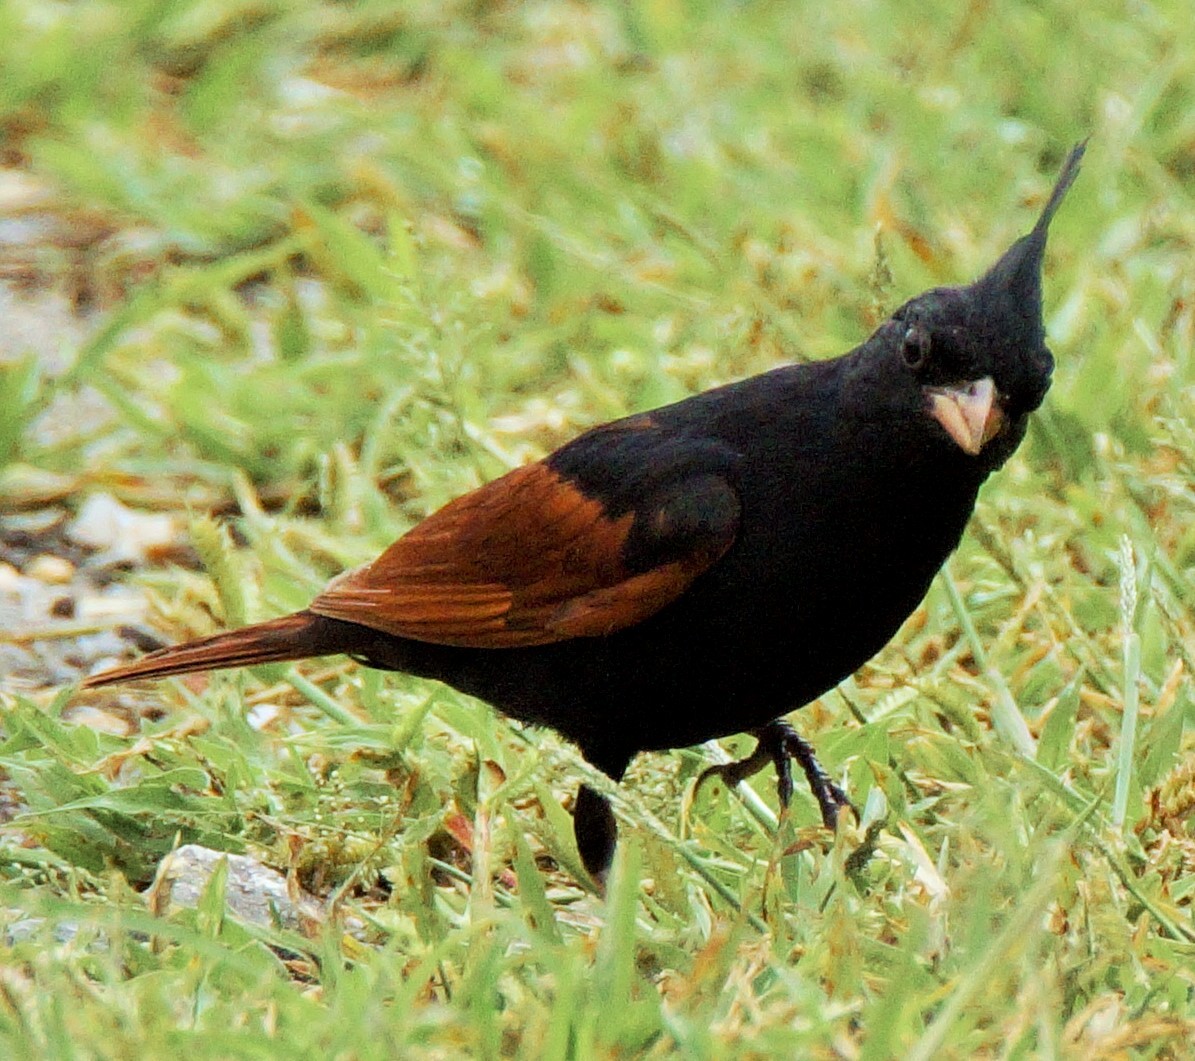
341, 262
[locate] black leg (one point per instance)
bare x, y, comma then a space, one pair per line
594, 824
596, 831
779, 744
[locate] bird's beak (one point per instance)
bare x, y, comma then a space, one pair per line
969, 412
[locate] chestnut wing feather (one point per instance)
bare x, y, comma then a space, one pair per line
530, 559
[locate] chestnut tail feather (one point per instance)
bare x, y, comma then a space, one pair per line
289, 637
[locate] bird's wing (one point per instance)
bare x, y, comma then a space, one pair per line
532, 558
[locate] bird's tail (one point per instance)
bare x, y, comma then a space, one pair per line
290, 637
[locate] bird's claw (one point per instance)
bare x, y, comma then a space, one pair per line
779, 744
730, 774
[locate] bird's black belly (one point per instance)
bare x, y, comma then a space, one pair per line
750, 641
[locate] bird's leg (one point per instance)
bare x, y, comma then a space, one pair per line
594, 825
596, 831
779, 744
788, 744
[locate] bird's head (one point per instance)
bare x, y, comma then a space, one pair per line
978, 353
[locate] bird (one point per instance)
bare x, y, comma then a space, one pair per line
705, 568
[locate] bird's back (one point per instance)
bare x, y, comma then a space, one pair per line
839, 537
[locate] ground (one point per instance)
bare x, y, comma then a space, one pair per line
280, 277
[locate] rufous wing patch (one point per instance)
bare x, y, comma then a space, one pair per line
527, 559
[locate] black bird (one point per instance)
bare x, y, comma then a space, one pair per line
704, 568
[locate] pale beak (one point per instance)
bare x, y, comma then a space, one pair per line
970, 412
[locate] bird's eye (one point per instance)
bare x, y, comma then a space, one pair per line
914, 347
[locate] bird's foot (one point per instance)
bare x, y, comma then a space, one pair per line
596, 832
779, 744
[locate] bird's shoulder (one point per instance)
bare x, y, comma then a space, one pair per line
583, 546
